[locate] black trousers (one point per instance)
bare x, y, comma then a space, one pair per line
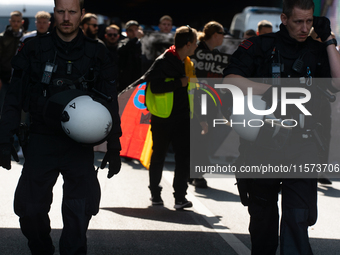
299, 202
3, 91
45, 157
163, 133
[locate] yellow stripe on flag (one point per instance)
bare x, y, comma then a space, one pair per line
145, 157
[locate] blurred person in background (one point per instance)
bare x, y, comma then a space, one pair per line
211, 37
165, 24
89, 25
9, 41
129, 55
264, 27
112, 36
42, 23
249, 33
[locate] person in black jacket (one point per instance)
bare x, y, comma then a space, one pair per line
112, 37
9, 41
210, 38
167, 76
90, 27
59, 62
42, 22
129, 55
291, 54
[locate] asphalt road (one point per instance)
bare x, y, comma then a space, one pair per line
128, 224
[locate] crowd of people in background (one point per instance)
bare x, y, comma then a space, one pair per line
122, 40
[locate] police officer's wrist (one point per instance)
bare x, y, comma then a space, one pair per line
331, 41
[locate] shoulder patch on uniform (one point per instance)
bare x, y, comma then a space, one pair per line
21, 46
246, 44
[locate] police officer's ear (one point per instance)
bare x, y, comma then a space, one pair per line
284, 19
82, 13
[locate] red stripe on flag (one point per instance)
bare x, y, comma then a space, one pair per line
134, 130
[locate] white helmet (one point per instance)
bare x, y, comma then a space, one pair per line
264, 130
86, 121
82, 118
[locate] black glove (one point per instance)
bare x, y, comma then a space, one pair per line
243, 188
113, 157
322, 27
6, 150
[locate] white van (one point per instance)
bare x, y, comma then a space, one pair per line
251, 16
28, 8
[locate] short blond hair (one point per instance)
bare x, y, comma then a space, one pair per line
165, 17
43, 15
264, 23
16, 13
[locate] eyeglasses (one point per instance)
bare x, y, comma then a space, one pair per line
110, 35
94, 25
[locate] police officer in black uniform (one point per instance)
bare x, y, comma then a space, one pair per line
64, 60
288, 53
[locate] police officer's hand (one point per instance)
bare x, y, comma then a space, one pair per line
113, 158
322, 27
6, 150
242, 186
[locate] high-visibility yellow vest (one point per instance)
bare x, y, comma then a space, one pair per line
160, 104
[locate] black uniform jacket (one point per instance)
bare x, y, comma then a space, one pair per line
255, 56
72, 61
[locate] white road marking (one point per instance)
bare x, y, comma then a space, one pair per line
200, 208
